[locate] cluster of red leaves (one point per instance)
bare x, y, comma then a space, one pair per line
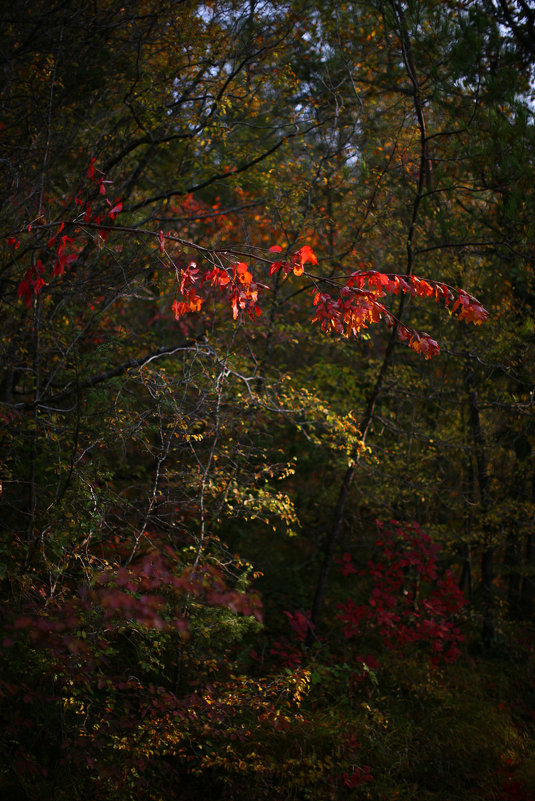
146, 593
236, 280
62, 251
65, 255
366, 665
192, 301
511, 788
289, 652
359, 305
32, 283
75, 646
358, 777
296, 264
61, 254
409, 603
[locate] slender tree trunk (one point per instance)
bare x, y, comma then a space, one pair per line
465, 582
487, 558
527, 592
513, 560
424, 179
343, 493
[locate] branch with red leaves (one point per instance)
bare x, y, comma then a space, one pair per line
357, 303
357, 306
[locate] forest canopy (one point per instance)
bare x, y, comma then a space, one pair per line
266, 389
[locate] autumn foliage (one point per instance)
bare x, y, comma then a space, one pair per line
357, 305
266, 393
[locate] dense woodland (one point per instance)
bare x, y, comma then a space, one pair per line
267, 364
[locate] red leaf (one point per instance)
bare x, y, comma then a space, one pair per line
116, 209
275, 267
24, 292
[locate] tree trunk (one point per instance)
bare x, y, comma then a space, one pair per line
487, 558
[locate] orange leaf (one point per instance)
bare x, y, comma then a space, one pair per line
303, 255
307, 254
245, 278
195, 302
